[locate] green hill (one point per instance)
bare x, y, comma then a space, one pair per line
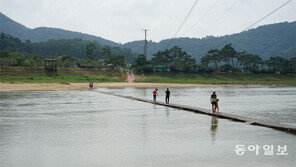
51, 48
8, 26
265, 41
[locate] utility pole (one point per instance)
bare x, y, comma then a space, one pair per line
145, 45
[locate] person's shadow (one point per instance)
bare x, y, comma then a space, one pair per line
214, 127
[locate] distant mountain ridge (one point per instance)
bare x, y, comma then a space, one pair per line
8, 26
266, 41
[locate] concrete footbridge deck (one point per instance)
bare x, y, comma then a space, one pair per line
250, 121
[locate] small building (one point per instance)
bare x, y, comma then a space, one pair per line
86, 65
101, 60
161, 69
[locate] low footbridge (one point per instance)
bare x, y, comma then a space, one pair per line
250, 121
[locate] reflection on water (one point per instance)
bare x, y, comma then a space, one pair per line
167, 111
214, 127
86, 128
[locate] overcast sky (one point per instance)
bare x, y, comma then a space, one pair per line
123, 20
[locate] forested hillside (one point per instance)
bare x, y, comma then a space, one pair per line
266, 41
78, 52
71, 47
8, 26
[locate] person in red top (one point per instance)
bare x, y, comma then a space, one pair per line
154, 94
91, 85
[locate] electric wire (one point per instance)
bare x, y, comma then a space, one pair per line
233, 36
187, 16
219, 18
209, 9
267, 15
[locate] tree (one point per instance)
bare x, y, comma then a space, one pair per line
65, 61
188, 64
177, 59
28, 46
115, 60
34, 60
292, 65
140, 61
106, 52
277, 64
107, 55
166, 58
228, 53
233, 60
239, 57
161, 58
17, 59
142, 65
5, 59
205, 61
176, 56
90, 51
249, 62
214, 57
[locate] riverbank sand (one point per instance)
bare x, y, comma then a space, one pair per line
81, 86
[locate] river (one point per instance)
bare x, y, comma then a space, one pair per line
87, 128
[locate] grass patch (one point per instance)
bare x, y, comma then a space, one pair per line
78, 75
221, 78
64, 76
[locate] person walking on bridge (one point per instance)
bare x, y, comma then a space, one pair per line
214, 102
155, 94
167, 96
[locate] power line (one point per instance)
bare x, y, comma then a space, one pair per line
219, 18
187, 16
267, 15
262, 18
202, 17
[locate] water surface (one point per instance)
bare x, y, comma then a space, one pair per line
276, 104
86, 128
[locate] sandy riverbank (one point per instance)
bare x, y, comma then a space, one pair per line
81, 86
